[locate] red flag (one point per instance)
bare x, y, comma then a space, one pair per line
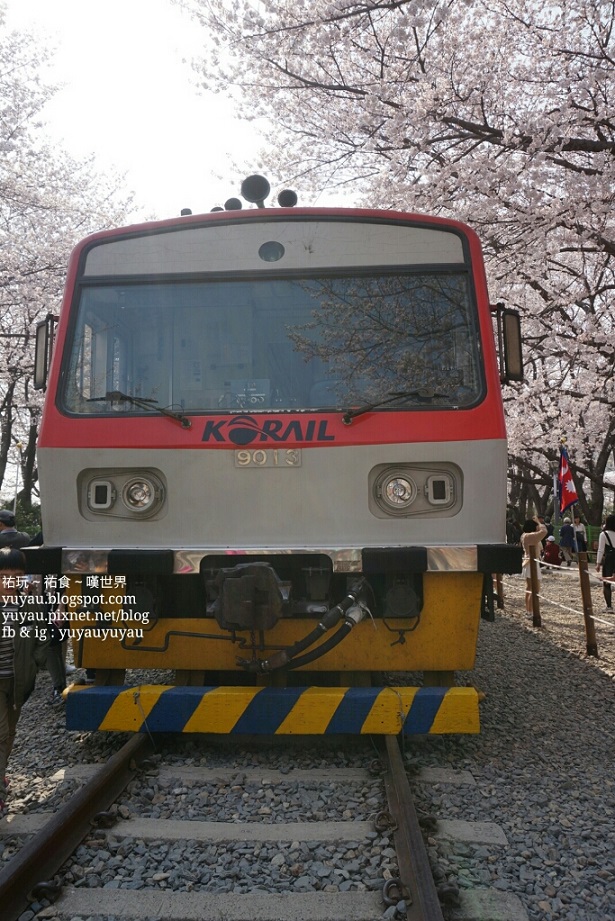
566, 488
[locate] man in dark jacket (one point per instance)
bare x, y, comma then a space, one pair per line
9, 536
24, 637
567, 541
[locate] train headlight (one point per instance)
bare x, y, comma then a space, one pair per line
142, 495
398, 492
395, 491
137, 493
415, 490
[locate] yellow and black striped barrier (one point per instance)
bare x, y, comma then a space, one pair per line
274, 711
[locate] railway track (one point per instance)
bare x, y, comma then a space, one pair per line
241, 855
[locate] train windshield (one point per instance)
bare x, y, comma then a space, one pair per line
285, 343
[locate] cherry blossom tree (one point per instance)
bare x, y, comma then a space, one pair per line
496, 112
48, 201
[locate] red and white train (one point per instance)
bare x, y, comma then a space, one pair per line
280, 431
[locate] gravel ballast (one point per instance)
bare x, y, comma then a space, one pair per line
544, 762
543, 765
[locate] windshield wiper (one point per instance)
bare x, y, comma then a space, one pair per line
116, 396
424, 394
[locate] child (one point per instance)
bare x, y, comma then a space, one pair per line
551, 553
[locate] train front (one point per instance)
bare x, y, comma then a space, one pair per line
273, 473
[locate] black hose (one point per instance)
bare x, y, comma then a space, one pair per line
284, 657
333, 615
325, 647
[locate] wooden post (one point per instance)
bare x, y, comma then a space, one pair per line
535, 583
588, 610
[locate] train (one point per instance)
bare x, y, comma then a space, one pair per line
272, 463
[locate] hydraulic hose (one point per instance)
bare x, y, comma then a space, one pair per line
354, 616
287, 658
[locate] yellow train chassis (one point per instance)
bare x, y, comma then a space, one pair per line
444, 640
207, 698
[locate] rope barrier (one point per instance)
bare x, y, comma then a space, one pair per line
600, 620
572, 571
556, 603
533, 597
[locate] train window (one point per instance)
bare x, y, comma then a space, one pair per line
265, 344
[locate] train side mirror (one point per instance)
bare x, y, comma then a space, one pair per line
509, 343
43, 349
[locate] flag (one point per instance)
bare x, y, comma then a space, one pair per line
566, 488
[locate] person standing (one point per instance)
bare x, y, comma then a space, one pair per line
566, 541
605, 560
9, 535
23, 641
580, 533
57, 648
532, 536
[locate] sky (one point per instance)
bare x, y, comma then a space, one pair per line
129, 98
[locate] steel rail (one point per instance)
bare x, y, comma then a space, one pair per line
40, 859
416, 883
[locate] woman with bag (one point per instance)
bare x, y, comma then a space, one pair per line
605, 559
